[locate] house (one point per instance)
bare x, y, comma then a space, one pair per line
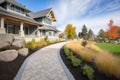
18, 20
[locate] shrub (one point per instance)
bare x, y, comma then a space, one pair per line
43, 42
68, 53
46, 38
88, 71
75, 61
32, 45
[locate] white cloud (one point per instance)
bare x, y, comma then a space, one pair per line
72, 11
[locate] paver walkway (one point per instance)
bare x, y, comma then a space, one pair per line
44, 65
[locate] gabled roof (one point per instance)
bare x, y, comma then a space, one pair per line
42, 13
15, 3
20, 17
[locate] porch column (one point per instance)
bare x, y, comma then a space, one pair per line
41, 33
2, 29
38, 32
21, 32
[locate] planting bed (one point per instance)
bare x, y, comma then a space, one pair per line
77, 72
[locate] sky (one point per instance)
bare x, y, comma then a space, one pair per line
95, 14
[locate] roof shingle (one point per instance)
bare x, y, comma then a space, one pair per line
40, 13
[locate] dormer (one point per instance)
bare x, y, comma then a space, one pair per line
44, 16
13, 6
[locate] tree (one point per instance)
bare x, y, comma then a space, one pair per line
70, 31
110, 23
80, 34
90, 34
61, 35
84, 30
102, 33
74, 32
113, 31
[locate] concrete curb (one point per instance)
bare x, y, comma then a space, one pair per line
67, 72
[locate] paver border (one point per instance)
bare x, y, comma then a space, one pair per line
67, 72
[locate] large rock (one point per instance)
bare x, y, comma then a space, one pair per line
23, 51
8, 55
7, 38
18, 43
3, 44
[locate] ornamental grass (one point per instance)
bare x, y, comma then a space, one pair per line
105, 62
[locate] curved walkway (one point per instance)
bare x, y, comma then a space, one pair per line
43, 65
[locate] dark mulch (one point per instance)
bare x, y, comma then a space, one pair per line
77, 71
8, 70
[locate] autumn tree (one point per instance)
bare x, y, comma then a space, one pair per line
61, 35
70, 31
113, 31
102, 33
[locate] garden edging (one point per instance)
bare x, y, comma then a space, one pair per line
66, 70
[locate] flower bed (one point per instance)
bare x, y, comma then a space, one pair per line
105, 65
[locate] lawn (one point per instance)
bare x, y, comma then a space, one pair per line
113, 48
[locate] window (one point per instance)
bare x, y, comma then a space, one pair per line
12, 7
17, 9
48, 20
22, 11
50, 34
38, 19
4, 5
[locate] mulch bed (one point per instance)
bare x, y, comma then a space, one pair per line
8, 70
77, 71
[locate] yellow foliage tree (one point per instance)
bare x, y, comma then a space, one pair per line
70, 31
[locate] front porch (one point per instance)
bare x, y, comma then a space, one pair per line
26, 30
16, 26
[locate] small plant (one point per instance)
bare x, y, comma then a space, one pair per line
75, 61
88, 71
68, 53
46, 38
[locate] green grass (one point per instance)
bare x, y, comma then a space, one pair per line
113, 48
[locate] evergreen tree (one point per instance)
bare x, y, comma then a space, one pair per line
90, 34
102, 33
84, 29
84, 32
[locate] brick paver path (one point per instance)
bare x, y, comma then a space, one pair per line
44, 65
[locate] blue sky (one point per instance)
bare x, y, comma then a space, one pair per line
95, 14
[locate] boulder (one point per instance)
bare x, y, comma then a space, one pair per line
3, 44
23, 51
7, 38
8, 55
18, 43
